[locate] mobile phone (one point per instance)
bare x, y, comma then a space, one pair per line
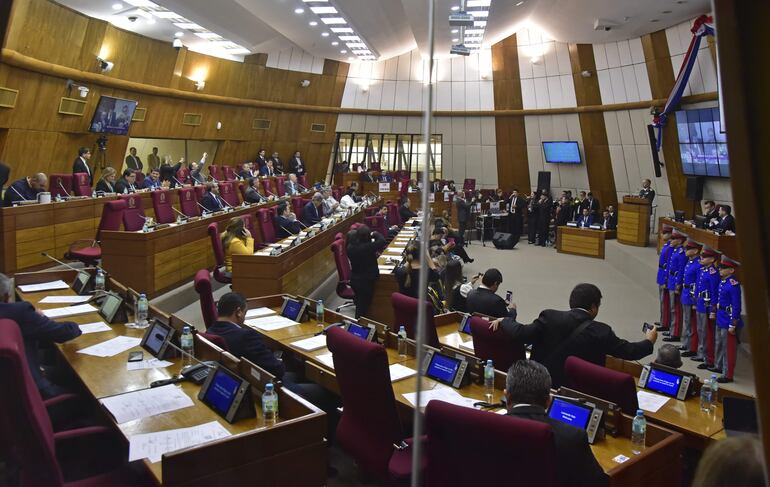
135, 356
508, 296
646, 327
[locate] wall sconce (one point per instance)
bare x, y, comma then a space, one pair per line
104, 65
82, 90
199, 85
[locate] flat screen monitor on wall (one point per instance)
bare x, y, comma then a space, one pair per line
702, 144
564, 152
113, 116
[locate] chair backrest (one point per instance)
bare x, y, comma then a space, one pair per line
216, 172
339, 236
229, 173
82, 184
405, 312
204, 289
279, 188
302, 180
511, 446
266, 226
469, 184
133, 217
112, 216
296, 205
60, 185
495, 345
267, 186
228, 193
248, 222
200, 191
369, 425
394, 217
216, 244
595, 380
183, 175
242, 188
24, 425
161, 203
139, 178
371, 211
376, 222
341, 260
188, 202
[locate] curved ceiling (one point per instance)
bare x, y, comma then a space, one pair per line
387, 27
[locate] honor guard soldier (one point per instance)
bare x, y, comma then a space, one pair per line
665, 254
675, 267
728, 321
706, 289
690, 278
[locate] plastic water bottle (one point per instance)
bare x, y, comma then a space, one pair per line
270, 403
99, 281
706, 396
489, 380
714, 389
402, 341
186, 343
93, 194
319, 312
146, 227
140, 316
638, 432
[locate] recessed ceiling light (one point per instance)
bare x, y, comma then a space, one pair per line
299, 10
335, 43
178, 34
167, 15
455, 8
480, 13
325, 34
117, 6
519, 4
343, 51
350, 38
312, 23
351, 58
333, 20
341, 29
323, 10
141, 3
479, 3
455, 40
188, 25
356, 45
208, 35
654, 20
455, 31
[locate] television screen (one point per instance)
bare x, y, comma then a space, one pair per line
566, 152
113, 116
701, 143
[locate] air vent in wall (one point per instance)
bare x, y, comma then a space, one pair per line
318, 127
260, 124
139, 115
8, 97
72, 106
192, 119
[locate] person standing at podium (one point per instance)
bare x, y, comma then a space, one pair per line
647, 191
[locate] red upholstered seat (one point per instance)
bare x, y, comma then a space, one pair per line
242, 189
139, 178
376, 223
344, 289
88, 251
229, 173
200, 191
469, 184
405, 312
296, 205
495, 345
183, 175
188, 202
216, 173
60, 185
228, 193
267, 186
394, 217
219, 255
470, 447
82, 184
279, 187
133, 217
265, 217
215, 339
208, 306
595, 380
162, 204
302, 180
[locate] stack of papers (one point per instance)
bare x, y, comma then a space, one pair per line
650, 402
312, 343
79, 309
44, 286
271, 323
65, 299
153, 445
326, 359
257, 312
152, 363
146, 402
111, 347
398, 372
395, 250
386, 268
467, 346
94, 327
440, 393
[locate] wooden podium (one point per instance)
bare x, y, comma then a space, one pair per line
634, 221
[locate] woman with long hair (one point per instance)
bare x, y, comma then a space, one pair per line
236, 240
107, 182
408, 275
363, 245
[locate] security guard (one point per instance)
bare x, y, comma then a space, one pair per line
706, 289
674, 284
729, 321
665, 254
689, 279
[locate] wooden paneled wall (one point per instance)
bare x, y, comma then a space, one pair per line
34, 137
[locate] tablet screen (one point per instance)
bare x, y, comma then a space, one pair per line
664, 382
358, 330
570, 413
443, 368
291, 309
465, 326
110, 307
222, 391
156, 336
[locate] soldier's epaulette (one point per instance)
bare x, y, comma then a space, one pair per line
734, 282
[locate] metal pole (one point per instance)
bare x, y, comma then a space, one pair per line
424, 236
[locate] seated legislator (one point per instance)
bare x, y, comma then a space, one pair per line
726, 221
252, 194
608, 223
211, 201
267, 169
152, 181
330, 204
246, 171
126, 184
25, 189
313, 210
528, 395
236, 240
408, 275
585, 219
555, 335
349, 200
485, 300
37, 331
405, 211
291, 187
286, 223
107, 182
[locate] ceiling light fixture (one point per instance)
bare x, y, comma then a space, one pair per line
324, 34
188, 26
141, 3
519, 4
335, 43
343, 51
455, 31
323, 10
117, 6
199, 85
455, 8
478, 3
333, 20
178, 34
339, 30
167, 14
312, 23
455, 40
299, 10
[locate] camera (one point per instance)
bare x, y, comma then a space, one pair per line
101, 142
646, 327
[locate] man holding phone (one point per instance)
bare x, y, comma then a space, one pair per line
485, 299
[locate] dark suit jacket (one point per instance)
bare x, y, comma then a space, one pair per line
310, 214
281, 223
122, 186
287, 186
253, 196
363, 258
295, 167
134, 164
263, 171
521, 203
726, 223
246, 175
552, 327
609, 223
577, 465
104, 186
245, 342
37, 330
405, 213
484, 301
212, 202
585, 221
463, 210
19, 191
79, 166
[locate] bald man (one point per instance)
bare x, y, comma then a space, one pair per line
25, 189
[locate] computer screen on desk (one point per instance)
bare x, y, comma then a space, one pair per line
664, 382
569, 412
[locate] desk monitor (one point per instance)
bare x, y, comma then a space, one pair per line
293, 309
81, 283
111, 308
700, 221
228, 395
156, 339
444, 368
367, 332
666, 380
679, 216
465, 324
583, 415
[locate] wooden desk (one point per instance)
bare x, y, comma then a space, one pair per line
582, 241
726, 244
634, 221
381, 309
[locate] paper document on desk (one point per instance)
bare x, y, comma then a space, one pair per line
312, 343
467, 346
44, 286
146, 402
395, 250
112, 347
650, 402
326, 359
386, 268
257, 312
94, 327
65, 299
271, 323
79, 309
152, 363
398, 372
441, 393
153, 445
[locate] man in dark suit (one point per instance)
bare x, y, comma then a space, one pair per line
246, 171
555, 335
133, 161
463, 212
405, 212
613, 215
277, 163
37, 331
312, 212
211, 201
297, 165
368, 177
81, 164
516, 208
252, 194
592, 204
607, 222
726, 222
586, 219
528, 394
647, 191
286, 223
126, 184
710, 211
25, 189
261, 159
564, 212
267, 169
485, 300
290, 186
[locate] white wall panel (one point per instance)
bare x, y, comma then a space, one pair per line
624, 53
388, 99
637, 52
416, 89
525, 66
528, 98
486, 95
554, 92
458, 95
488, 132
458, 69
402, 95
458, 131
618, 87
605, 87
600, 57
568, 91
541, 93
391, 69
414, 125
473, 131
443, 94
629, 83
489, 166
375, 96
613, 55
472, 95
551, 61
318, 65
643, 81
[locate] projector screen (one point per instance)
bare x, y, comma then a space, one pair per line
566, 152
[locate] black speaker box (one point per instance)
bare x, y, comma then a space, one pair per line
544, 180
503, 240
653, 148
695, 188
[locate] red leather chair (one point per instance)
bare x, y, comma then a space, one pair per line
112, 216
302, 180
496, 346
371, 211
369, 426
60, 185
229, 173
183, 175
220, 274
133, 217
297, 203
242, 189
41, 454
405, 312
376, 223
344, 289
265, 217
215, 339
161, 203
227, 192
508, 445
82, 184
208, 306
595, 380
200, 191
469, 184
394, 217
339, 236
188, 202
279, 188
216, 173
139, 178
267, 186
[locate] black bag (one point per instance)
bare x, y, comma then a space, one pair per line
503, 240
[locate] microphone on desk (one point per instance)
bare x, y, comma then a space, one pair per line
180, 213
64, 189
205, 210
177, 181
45, 254
20, 195
287, 231
300, 222
181, 377
333, 325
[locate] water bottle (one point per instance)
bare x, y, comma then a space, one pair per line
93, 194
714, 390
146, 227
706, 396
58, 198
638, 432
489, 380
319, 312
402, 341
187, 345
270, 404
99, 281
140, 312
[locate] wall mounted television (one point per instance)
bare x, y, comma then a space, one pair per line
113, 116
702, 144
561, 152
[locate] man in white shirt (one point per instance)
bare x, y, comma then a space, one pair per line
347, 201
330, 204
290, 186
